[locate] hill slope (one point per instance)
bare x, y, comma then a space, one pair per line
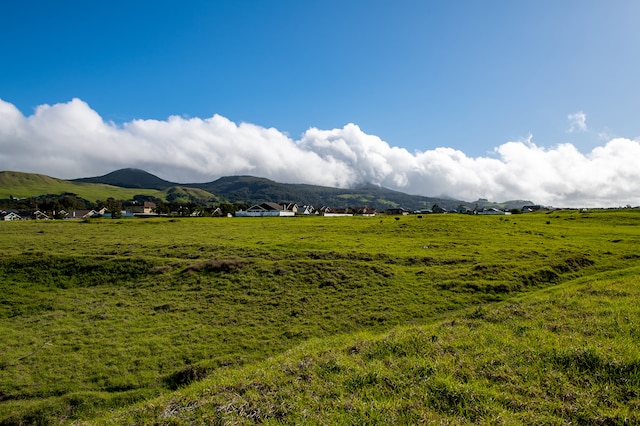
257, 190
247, 189
187, 195
250, 189
24, 185
126, 184
130, 178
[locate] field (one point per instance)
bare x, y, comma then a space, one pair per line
446, 318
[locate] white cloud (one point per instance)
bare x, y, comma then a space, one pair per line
71, 140
577, 122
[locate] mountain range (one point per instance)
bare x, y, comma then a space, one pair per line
252, 190
244, 189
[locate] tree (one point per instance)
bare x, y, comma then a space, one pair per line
227, 208
163, 208
71, 201
114, 207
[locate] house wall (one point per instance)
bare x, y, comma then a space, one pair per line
264, 214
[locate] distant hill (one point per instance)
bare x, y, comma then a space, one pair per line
256, 190
130, 178
125, 183
24, 185
250, 189
142, 180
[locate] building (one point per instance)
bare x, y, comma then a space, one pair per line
148, 207
266, 210
9, 215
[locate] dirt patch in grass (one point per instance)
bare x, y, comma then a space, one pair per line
217, 266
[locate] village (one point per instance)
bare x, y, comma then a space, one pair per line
266, 209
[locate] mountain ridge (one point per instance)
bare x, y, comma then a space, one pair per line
254, 190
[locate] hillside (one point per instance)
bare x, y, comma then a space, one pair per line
125, 183
24, 185
251, 190
256, 190
129, 178
187, 195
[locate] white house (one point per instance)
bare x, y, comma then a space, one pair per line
493, 210
265, 209
9, 215
306, 210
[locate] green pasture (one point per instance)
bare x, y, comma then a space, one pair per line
102, 314
568, 354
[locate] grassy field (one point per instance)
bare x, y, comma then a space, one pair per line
449, 318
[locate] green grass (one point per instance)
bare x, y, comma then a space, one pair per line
100, 314
565, 355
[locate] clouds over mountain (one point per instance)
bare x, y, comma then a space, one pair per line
70, 140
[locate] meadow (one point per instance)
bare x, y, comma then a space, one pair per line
446, 318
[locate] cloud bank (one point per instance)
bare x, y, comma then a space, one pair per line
70, 140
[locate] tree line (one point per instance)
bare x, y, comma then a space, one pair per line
54, 204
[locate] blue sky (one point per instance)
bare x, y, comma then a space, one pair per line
466, 76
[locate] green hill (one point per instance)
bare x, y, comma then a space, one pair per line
250, 189
130, 178
125, 183
25, 185
185, 195
257, 190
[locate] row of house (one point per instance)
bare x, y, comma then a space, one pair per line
275, 209
258, 210
291, 209
462, 209
7, 215
141, 209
